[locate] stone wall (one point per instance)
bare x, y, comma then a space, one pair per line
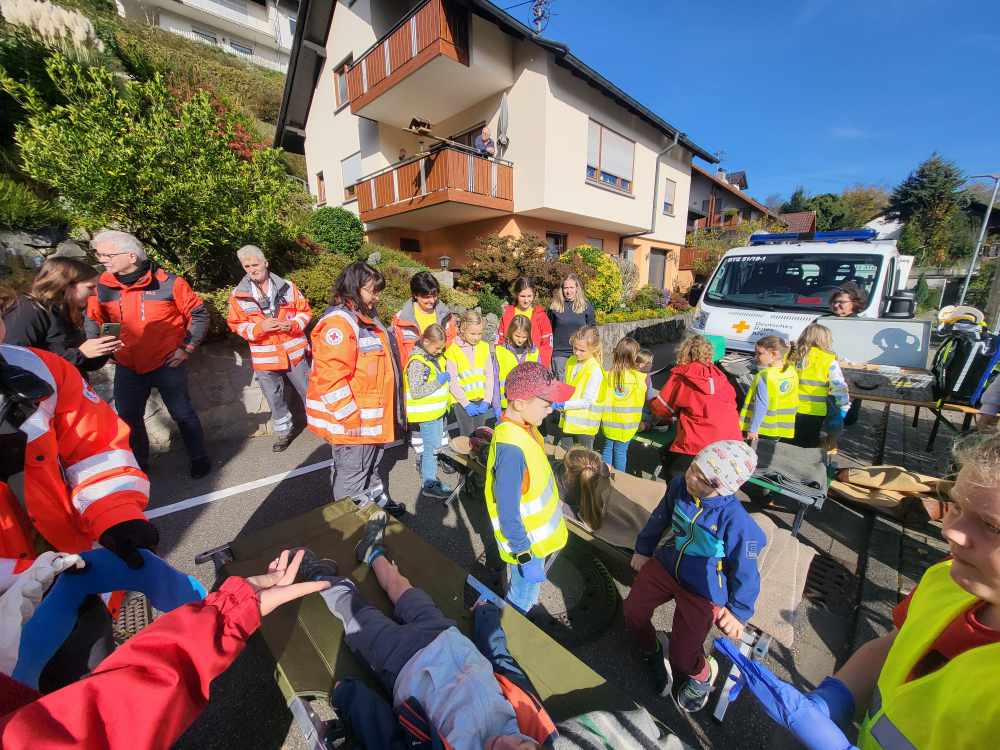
27, 250
660, 335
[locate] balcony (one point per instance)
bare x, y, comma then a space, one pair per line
400, 77
719, 221
448, 186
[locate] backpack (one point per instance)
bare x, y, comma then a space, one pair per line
964, 366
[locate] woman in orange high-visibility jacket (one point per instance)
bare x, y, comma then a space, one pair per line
354, 400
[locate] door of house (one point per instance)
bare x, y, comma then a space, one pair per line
657, 267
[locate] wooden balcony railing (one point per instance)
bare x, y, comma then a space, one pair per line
448, 174
434, 28
718, 221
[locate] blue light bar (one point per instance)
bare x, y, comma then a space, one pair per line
841, 235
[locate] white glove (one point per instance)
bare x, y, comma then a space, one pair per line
18, 603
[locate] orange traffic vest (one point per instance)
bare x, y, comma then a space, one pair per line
278, 350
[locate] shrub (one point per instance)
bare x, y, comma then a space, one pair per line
678, 302
490, 303
181, 175
630, 278
22, 208
646, 298
316, 279
390, 256
337, 229
631, 315
604, 288
217, 302
456, 298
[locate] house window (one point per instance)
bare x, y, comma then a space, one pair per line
468, 137
628, 254
340, 81
351, 167
555, 245
241, 49
610, 157
669, 194
205, 36
597, 242
409, 244
320, 189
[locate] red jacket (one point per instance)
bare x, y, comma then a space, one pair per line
159, 314
541, 331
148, 691
80, 477
703, 402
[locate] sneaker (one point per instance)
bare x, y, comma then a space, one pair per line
390, 506
283, 442
436, 490
201, 467
446, 468
371, 541
313, 568
659, 666
693, 695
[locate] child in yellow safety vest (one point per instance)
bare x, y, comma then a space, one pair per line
621, 402
470, 366
428, 399
517, 348
824, 397
773, 400
581, 415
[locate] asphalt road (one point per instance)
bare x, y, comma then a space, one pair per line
247, 710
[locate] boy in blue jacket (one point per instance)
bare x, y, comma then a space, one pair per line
708, 565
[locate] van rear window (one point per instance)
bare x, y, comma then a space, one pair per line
796, 281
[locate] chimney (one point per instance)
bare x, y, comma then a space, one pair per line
721, 174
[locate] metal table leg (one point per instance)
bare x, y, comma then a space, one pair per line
880, 454
753, 640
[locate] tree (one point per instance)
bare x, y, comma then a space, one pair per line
862, 203
604, 288
829, 211
185, 175
774, 202
928, 202
798, 201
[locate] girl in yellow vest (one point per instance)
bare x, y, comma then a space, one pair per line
823, 394
932, 682
470, 366
517, 348
773, 400
581, 415
427, 401
621, 402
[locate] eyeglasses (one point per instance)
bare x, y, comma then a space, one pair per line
107, 256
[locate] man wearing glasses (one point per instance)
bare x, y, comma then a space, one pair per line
162, 322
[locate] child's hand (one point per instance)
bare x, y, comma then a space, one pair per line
638, 561
752, 437
729, 625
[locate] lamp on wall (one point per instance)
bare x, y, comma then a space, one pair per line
445, 261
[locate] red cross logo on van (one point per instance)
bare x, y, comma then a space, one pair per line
741, 327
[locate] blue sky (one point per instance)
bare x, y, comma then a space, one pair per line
819, 93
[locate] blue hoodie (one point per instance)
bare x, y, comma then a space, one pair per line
712, 550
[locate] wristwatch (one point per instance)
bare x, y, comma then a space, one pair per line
523, 557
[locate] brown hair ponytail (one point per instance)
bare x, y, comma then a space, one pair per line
588, 479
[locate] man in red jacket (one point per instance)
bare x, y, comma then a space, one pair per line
162, 322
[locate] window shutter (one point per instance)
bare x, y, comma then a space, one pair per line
352, 169
616, 154
593, 145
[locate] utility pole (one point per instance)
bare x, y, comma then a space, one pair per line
979, 242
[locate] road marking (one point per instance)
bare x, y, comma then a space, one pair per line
211, 497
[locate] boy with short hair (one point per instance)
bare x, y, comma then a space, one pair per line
521, 495
708, 564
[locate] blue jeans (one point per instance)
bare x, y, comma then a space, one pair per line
615, 453
520, 592
131, 394
431, 433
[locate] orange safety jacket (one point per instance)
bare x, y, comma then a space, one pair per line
407, 332
354, 395
277, 350
159, 313
80, 477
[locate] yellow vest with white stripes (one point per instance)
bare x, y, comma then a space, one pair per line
621, 411
782, 402
581, 421
430, 407
814, 382
540, 509
471, 375
507, 361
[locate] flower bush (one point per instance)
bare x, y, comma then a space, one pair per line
604, 288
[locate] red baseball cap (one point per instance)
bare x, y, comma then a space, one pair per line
530, 379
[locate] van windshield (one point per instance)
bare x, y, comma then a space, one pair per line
797, 281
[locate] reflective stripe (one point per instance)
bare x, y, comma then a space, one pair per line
338, 429
778, 425
98, 463
885, 733
815, 399
265, 360
571, 418
409, 333
539, 535
346, 410
427, 406
369, 342
815, 383
538, 504
283, 421
341, 393
297, 355
87, 495
299, 341
372, 413
621, 410
776, 412
245, 330
619, 425
268, 348
318, 405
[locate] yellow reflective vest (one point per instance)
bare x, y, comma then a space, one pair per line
621, 410
507, 361
782, 402
814, 381
471, 375
540, 509
581, 421
431, 407
954, 707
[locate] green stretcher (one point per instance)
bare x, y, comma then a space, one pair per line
307, 641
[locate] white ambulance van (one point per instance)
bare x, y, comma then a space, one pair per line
782, 282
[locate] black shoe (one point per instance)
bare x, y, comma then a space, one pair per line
314, 568
374, 533
390, 506
659, 666
283, 442
201, 467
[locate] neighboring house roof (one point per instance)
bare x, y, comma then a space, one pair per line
888, 229
308, 52
800, 221
732, 189
737, 178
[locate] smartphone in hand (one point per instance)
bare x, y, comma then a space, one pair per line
111, 329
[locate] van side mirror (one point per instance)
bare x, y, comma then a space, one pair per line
900, 306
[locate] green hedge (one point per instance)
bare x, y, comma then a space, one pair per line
628, 317
337, 229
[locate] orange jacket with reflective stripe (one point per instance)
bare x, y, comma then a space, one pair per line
277, 350
353, 396
80, 477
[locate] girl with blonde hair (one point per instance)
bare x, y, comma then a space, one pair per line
569, 311
773, 399
581, 415
622, 399
824, 397
517, 348
470, 366
425, 382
